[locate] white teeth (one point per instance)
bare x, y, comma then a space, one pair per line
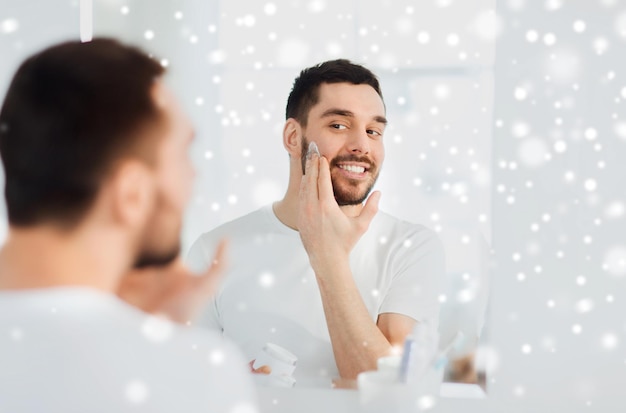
351, 168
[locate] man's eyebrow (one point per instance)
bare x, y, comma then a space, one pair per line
381, 119
337, 112
349, 114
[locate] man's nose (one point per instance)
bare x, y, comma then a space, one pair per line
359, 142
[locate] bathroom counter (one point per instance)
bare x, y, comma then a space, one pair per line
326, 400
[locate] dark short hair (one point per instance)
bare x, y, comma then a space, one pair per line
305, 91
70, 113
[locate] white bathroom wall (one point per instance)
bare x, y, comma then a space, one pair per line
26, 27
559, 232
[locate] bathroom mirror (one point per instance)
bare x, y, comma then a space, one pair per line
507, 136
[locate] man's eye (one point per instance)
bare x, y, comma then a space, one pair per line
338, 126
373, 132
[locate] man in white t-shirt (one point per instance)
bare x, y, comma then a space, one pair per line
321, 272
94, 148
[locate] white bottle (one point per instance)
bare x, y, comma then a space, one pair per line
281, 361
420, 350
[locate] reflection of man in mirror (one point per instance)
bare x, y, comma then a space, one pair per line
94, 148
321, 272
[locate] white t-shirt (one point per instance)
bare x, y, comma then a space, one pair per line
270, 293
77, 350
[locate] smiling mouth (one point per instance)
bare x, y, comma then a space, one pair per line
353, 168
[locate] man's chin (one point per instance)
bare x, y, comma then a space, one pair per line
156, 260
349, 202
351, 196
347, 199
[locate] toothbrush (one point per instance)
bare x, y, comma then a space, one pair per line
407, 356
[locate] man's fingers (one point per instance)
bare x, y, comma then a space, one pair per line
370, 209
324, 181
308, 186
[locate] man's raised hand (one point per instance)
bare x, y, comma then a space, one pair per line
173, 291
327, 233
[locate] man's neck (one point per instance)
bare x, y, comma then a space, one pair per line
46, 257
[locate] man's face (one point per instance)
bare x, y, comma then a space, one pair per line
174, 173
347, 124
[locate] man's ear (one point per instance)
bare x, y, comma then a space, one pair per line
292, 138
132, 191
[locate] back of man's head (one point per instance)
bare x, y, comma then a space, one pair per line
70, 113
305, 91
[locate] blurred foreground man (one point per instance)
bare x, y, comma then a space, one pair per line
94, 148
321, 272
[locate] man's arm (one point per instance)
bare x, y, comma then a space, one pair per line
357, 341
328, 236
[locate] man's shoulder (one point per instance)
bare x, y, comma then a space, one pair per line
101, 342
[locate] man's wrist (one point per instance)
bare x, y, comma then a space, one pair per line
331, 267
